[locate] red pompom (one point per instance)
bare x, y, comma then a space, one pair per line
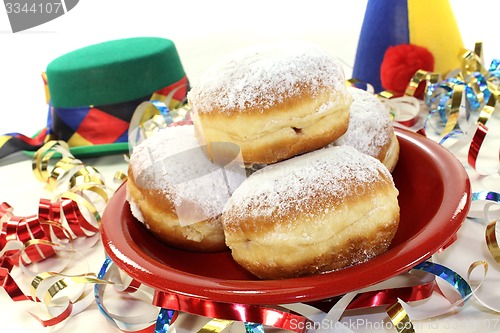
400, 64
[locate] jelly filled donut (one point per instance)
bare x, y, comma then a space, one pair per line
318, 212
370, 129
274, 102
171, 191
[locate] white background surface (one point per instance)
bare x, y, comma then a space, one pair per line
203, 31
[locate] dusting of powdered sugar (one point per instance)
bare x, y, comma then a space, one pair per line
264, 75
370, 125
172, 161
287, 186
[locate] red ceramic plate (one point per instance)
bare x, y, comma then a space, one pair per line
434, 199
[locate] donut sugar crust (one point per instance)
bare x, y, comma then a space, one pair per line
315, 213
370, 128
159, 183
275, 101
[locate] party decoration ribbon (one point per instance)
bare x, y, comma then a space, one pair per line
486, 200
399, 318
73, 214
231, 311
481, 204
492, 242
110, 273
151, 116
466, 101
459, 106
402, 312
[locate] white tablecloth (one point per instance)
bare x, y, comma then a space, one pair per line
204, 31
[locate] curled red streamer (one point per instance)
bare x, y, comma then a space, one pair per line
232, 311
36, 228
23, 229
53, 211
389, 296
383, 297
476, 144
10, 286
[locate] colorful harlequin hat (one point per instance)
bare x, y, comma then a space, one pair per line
428, 26
94, 91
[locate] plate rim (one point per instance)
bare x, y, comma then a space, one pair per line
309, 288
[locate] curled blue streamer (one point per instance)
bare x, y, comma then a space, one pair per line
450, 135
494, 69
164, 320
165, 316
438, 96
254, 328
164, 110
471, 95
486, 195
102, 272
448, 275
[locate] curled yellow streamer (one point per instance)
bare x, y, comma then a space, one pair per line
419, 77
85, 175
400, 319
491, 241
84, 202
42, 157
215, 326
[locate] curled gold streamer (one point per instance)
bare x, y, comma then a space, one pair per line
98, 189
53, 164
181, 114
478, 49
64, 282
85, 175
43, 155
146, 120
491, 241
147, 112
456, 100
476, 264
386, 94
494, 86
61, 169
487, 111
120, 177
36, 242
68, 281
83, 201
400, 319
471, 62
419, 77
65, 166
215, 326
58, 225
353, 82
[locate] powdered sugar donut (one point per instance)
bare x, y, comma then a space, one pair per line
274, 101
171, 190
314, 213
370, 128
